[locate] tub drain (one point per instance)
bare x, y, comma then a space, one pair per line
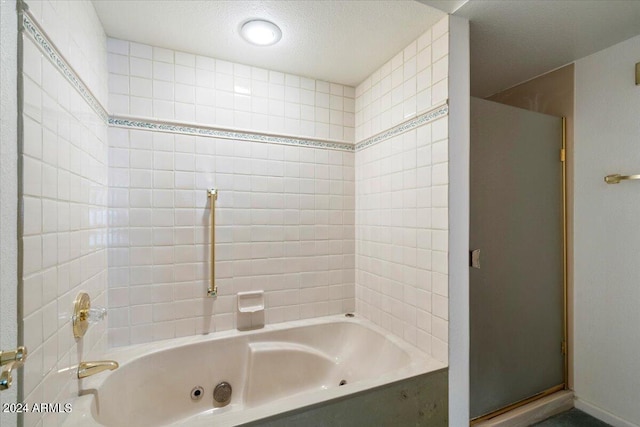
222, 393
197, 393
349, 315
343, 382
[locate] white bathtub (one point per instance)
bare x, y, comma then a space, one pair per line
272, 370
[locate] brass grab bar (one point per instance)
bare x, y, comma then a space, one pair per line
616, 178
212, 194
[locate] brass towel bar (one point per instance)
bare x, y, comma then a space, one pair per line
616, 178
212, 194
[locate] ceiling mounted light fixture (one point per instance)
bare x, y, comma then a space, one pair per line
260, 32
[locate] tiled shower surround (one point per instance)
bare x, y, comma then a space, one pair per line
412, 82
321, 227
402, 196
285, 214
284, 224
152, 82
401, 262
64, 201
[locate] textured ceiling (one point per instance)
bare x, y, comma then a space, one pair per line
336, 40
449, 6
513, 41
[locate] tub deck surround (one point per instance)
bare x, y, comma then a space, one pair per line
417, 401
280, 368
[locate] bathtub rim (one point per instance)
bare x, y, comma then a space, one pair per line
420, 363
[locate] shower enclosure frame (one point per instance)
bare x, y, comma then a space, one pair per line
564, 345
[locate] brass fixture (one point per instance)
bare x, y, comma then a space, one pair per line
17, 355
565, 257
212, 194
616, 178
10, 360
84, 315
80, 319
86, 369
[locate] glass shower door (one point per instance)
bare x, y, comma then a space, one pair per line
516, 230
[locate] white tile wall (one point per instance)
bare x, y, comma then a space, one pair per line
411, 83
64, 202
402, 221
75, 29
152, 82
286, 215
284, 224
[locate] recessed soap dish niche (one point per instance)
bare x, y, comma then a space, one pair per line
250, 310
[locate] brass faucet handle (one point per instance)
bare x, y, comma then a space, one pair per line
19, 355
80, 318
10, 360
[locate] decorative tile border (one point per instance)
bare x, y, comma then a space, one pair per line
420, 120
36, 33
160, 126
